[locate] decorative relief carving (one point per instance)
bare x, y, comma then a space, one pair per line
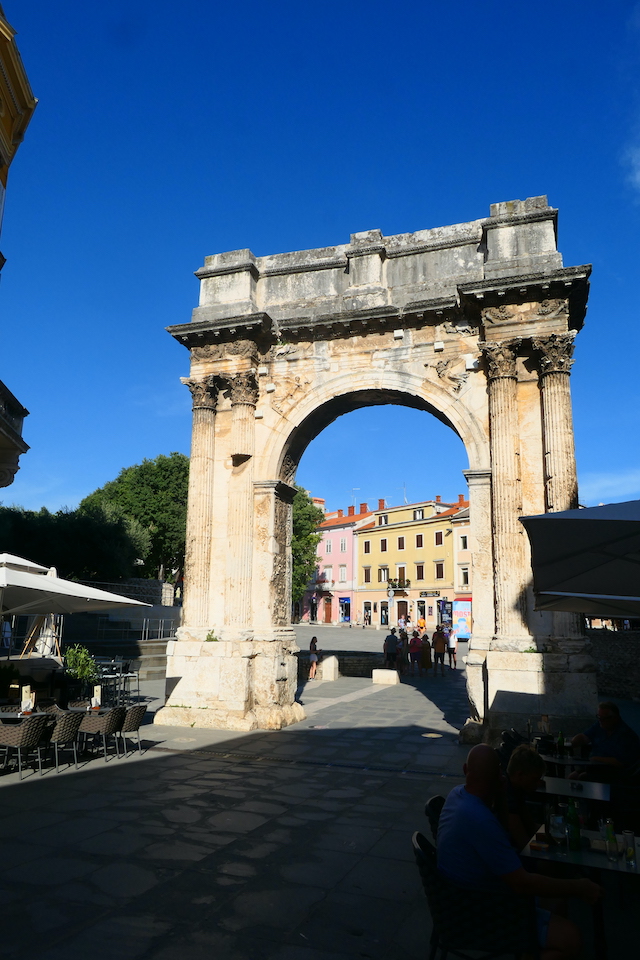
502, 314
218, 351
279, 582
463, 329
446, 370
243, 388
286, 390
550, 309
500, 357
555, 352
204, 393
288, 469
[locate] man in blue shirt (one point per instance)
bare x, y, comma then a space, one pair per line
474, 851
611, 741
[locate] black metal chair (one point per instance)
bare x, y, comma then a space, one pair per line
133, 718
65, 734
103, 725
433, 809
493, 922
29, 734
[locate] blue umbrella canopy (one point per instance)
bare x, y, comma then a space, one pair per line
587, 561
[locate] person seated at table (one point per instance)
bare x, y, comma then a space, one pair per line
611, 742
524, 775
474, 851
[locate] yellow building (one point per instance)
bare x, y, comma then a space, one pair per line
414, 561
17, 104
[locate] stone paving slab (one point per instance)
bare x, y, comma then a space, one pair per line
284, 845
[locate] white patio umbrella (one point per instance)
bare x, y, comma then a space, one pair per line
28, 588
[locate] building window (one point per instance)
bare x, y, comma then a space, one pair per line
328, 546
400, 543
342, 574
383, 546
420, 571
383, 574
367, 574
383, 519
439, 571
402, 575
419, 540
328, 574
438, 538
343, 545
367, 546
464, 576
418, 514
464, 541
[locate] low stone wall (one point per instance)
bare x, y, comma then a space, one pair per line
617, 657
351, 664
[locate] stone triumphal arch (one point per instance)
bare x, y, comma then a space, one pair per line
473, 322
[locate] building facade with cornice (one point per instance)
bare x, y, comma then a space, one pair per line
17, 104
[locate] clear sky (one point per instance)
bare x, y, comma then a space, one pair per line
166, 132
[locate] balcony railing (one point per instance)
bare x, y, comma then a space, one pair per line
399, 584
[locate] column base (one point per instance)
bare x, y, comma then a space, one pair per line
230, 684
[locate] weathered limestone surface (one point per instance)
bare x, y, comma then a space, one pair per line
472, 322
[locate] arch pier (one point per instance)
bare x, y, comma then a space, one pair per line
474, 323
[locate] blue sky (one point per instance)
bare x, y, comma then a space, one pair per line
166, 132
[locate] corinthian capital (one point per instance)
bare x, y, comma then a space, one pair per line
500, 357
204, 393
555, 352
243, 388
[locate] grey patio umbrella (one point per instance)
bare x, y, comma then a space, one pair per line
587, 561
29, 588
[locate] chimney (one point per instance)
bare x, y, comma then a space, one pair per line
351, 511
364, 508
438, 499
461, 499
380, 504
340, 513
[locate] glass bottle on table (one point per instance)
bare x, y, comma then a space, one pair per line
573, 827
629, 843
560, 744
611, 841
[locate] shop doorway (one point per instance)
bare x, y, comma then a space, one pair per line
345, 609
403, 609
313, 610
327, 610
384, 614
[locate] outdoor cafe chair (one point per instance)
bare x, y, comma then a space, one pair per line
493, 922
433, 809
25, 736
106, 725
65, 734
133, 718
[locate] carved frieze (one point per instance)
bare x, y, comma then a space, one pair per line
500, 357
463, 328
550, 309
204, 393
243, 388
288, 469
502, 314
555, 353
452, 372
219, 351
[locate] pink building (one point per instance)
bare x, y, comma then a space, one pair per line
331, 596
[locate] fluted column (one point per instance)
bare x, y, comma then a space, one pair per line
560, 480
509, 555
555, 354
243, 389
204, 394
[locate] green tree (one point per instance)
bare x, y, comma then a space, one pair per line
304, 542
96, 546
153, 496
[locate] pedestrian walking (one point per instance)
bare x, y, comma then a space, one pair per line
452, 649
391, 650
415, 651
425, 654
313, 658
403, 653
439, 645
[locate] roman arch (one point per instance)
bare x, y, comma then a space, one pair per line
474, 323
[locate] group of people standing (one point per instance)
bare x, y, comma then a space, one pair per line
405, 653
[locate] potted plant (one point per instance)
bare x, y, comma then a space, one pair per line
81, 667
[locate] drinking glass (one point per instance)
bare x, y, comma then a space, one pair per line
558, 832
629, 846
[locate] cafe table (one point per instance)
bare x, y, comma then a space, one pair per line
576, 789
592, 858
565, 762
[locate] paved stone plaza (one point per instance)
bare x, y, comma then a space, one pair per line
288, 845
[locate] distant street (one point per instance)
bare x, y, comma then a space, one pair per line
343, 637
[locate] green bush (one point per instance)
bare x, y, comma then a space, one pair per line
80, 664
